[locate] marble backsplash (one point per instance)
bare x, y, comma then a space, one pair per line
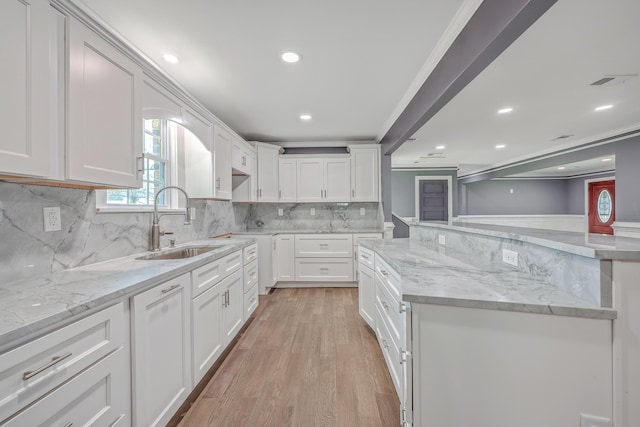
328, 216
88, 237
579, 275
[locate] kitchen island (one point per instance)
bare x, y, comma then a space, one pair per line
487, 343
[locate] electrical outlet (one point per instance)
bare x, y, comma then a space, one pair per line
441, 239
593, 421
362, 211
313, 211
510, 257
280, 212
192, 211
51, 219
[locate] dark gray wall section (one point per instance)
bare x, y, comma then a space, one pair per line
529, 197
628, 180
575, 192
403, 187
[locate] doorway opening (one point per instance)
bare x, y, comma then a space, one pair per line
601, 207
433, 199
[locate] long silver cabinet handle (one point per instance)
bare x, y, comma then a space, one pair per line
54, 360
169, 289
69, 424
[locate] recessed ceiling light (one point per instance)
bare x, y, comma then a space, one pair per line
500, 146
290, 57
305, 116
606, 160
505, 110
603, 107
561, 167
440, 147
171, 59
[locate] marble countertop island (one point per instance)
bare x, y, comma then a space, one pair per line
438, 275
260, 231
36, 305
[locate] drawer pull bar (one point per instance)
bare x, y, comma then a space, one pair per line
384, 273
69, 424
54, 360
364, 256
170, 288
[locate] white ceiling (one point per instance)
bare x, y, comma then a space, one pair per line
364, 59
545, 77
567, 170
359, 58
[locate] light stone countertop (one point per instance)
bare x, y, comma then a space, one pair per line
598, 246
437, 275
260, 231
37, 305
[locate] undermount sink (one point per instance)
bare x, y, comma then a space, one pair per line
181, 253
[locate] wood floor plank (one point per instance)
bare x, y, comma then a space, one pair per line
307, 359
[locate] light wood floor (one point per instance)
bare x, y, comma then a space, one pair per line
308, 359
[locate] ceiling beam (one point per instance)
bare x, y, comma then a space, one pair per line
494, 26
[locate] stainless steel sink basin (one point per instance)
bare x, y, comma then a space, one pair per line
180, 253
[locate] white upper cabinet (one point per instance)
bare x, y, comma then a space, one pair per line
336, 180
104, 112
223, 146
287, 180
365, 173
24, 84
241, 157
323, 179
267, 190
310, 177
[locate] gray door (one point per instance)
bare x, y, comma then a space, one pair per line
433, 201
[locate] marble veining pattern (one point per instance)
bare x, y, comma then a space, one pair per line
437, 275
31, 305
576, 274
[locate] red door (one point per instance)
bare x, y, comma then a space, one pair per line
602, 206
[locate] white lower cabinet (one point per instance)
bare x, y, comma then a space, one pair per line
161, 347
285, 250
93, 398
32, 372
207, 335
233, 308
366, 295
324, 269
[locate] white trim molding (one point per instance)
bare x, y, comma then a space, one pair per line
388, 230
447, 178
626, 229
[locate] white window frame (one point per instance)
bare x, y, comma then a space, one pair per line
171, 178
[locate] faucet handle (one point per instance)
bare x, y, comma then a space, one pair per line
172, 243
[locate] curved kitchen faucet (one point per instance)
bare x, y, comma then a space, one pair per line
155, 226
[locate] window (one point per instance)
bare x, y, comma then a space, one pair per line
158, 163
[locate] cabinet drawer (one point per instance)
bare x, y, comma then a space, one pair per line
232, 263
366, 257
365, 236
392, 311
324, 269
203, 278
93, 398
250, 302
389, 276
32, 370
250, 253
327, 246
250, 275
390, 351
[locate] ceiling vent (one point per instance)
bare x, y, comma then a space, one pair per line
613, 79
558, 138
429, 156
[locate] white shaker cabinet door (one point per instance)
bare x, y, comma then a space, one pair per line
310, 177
24, 85
233, 308
104, 141
285, 256
337, 176
267, 190
161, 348
207, 337
367, 295
222, 147
365, 174
287, 180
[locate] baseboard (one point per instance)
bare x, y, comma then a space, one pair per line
626, 229
285, 285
